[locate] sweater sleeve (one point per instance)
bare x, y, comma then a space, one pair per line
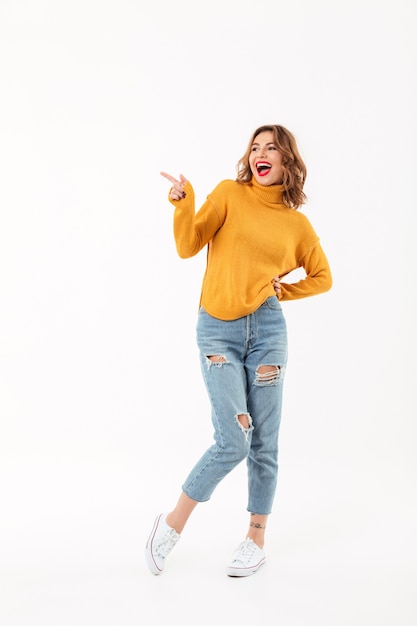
193, 231
318, 276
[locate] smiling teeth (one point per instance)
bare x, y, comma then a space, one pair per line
263, 166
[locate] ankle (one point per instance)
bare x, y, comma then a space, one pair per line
257, 527
259, 541
170, 521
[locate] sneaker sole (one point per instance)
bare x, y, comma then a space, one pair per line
240, 572
148, 550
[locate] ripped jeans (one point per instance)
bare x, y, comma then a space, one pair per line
243, 363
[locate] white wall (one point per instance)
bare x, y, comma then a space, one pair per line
101, 403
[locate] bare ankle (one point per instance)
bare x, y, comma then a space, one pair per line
257, 527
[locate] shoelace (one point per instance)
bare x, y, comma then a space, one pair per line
245, 552
167, 543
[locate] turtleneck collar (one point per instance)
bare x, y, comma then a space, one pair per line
271, 194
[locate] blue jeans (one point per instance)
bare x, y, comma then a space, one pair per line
239, 387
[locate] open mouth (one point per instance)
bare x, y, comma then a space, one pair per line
263, 168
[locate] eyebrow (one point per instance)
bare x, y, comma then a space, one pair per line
270, 143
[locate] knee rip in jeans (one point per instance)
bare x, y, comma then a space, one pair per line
216, 359
244, 421
268, 375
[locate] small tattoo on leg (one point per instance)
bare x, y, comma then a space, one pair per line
257, 525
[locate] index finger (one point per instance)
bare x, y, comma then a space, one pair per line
170, 178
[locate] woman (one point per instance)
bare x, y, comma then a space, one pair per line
255, 236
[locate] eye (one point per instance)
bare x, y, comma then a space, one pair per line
272, 148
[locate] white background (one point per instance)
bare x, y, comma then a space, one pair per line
102, 406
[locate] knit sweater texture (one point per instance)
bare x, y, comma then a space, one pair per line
251, 236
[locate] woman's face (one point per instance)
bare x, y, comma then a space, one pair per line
265, 160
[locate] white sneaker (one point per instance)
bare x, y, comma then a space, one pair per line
160, 543
247, 559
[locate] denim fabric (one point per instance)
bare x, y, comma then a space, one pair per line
236, 388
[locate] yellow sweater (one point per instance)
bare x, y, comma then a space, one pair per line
251, 237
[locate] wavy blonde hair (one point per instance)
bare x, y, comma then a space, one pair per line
295, 171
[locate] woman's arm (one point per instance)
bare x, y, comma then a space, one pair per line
191, 231
318, 277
